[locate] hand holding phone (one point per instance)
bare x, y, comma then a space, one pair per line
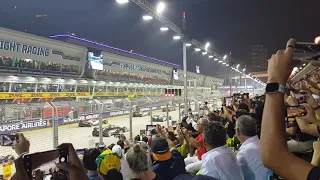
22, 145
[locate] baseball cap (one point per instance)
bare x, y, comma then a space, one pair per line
108, 160
197, 177
160, 149
117, 149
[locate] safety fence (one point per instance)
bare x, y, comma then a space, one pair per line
80, 122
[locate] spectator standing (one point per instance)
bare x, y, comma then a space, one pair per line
219, 162
124, 165
109, 165
139, 164
249, 157
89, 162
168, 164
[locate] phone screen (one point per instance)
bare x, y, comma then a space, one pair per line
80, 151
150, 127
8, 139
301, 98
306, 51
44, 161
296, 111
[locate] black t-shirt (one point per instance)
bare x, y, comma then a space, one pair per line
156, 178
314, 174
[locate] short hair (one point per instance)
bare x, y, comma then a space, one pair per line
145, 139
247, 125
213, 117
89, 158
203, 121
243, 106
137, 138
121, 144
214, 134
137, 159
111, 146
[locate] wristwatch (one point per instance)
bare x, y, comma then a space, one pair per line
273, 88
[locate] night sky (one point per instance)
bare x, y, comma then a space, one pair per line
227, 24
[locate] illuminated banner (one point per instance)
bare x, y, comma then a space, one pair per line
42, 95
24, 48
139, 68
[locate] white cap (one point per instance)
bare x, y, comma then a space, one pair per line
117, 149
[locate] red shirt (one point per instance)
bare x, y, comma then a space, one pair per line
201, 150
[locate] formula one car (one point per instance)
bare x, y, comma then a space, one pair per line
90, 123
6, 158
109, 130
160, 118
140, 114
170, 108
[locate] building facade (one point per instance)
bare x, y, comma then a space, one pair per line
259, 58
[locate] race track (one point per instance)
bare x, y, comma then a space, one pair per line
80, 137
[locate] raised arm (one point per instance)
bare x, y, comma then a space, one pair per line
273, 145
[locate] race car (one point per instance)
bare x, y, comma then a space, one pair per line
140, 114
170, 108
6, 158
90, 123
109, 130
160, 118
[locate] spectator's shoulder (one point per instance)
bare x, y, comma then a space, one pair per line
176, 153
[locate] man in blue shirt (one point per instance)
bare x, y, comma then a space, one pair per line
168, 164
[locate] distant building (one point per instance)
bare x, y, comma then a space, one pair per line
259, 58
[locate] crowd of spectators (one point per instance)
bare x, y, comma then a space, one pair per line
33, 64
132, 77
247, 139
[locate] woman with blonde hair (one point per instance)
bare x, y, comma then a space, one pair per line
140, 164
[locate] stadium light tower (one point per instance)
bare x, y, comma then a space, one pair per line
160, 7
176, 37
164, 29
225, 57
207, 45
122, 1
147, 17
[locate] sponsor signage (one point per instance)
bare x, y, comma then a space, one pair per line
23, 125
42, 95
24, 48
134, 67
118, 113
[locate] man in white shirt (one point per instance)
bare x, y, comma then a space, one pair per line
249, 156
219, 162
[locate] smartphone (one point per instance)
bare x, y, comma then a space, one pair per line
150, 127
301, 98
45, 162
296, 111
304, 51
80, 151
8, 139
